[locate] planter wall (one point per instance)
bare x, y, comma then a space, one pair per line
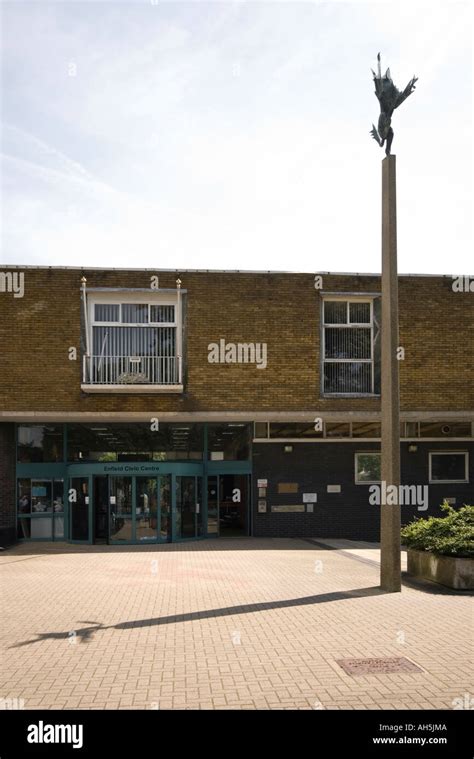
446, 570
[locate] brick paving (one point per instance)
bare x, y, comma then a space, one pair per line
224, 624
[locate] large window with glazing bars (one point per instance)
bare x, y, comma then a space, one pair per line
350, 346
134, 343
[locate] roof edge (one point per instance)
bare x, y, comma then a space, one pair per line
224, 271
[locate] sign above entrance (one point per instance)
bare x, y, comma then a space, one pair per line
131, 468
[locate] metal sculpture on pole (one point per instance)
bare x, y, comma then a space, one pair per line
389, 98
390, 516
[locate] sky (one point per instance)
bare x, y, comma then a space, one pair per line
232, 135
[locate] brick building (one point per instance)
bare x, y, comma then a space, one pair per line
142, 406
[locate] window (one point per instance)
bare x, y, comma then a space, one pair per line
133, 343
105, 312
289, 430
162, 314
260, 429
337, 429
367, 468
448, 466
39, 444
445, 429
366, 429
309, 431
135, 442
411, 429
40, 509
228, 442
351, 346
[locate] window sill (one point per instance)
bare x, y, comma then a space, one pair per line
350, 395
448, 482
133, 389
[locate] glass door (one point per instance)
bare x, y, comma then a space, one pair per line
188, 506
165, 507
233, 505
153, 509
101, 508
212, 505
80, 509
120, 509
140, 509
146, 509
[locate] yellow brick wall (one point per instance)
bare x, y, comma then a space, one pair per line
283, 310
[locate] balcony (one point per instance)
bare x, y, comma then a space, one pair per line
132, 374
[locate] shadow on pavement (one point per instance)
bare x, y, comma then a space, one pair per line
85, 634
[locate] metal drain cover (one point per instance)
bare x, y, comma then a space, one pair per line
382, 666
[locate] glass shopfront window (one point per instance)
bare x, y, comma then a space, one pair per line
40, 509
39, 444
107, 495
228, 442
135, 442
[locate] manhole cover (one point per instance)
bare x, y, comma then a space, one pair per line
382, 666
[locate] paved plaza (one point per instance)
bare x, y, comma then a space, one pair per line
238, 623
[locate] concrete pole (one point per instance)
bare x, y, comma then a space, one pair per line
390, 565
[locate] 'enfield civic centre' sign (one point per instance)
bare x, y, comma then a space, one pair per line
131, 468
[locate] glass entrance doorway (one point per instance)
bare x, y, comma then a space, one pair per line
140, 509
188, 506
141, 504
79, 509
101, 508
227, 505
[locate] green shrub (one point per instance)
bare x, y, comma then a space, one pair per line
452, 535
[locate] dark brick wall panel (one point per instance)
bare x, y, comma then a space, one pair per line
347, 514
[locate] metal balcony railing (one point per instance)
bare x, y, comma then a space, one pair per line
132, 370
